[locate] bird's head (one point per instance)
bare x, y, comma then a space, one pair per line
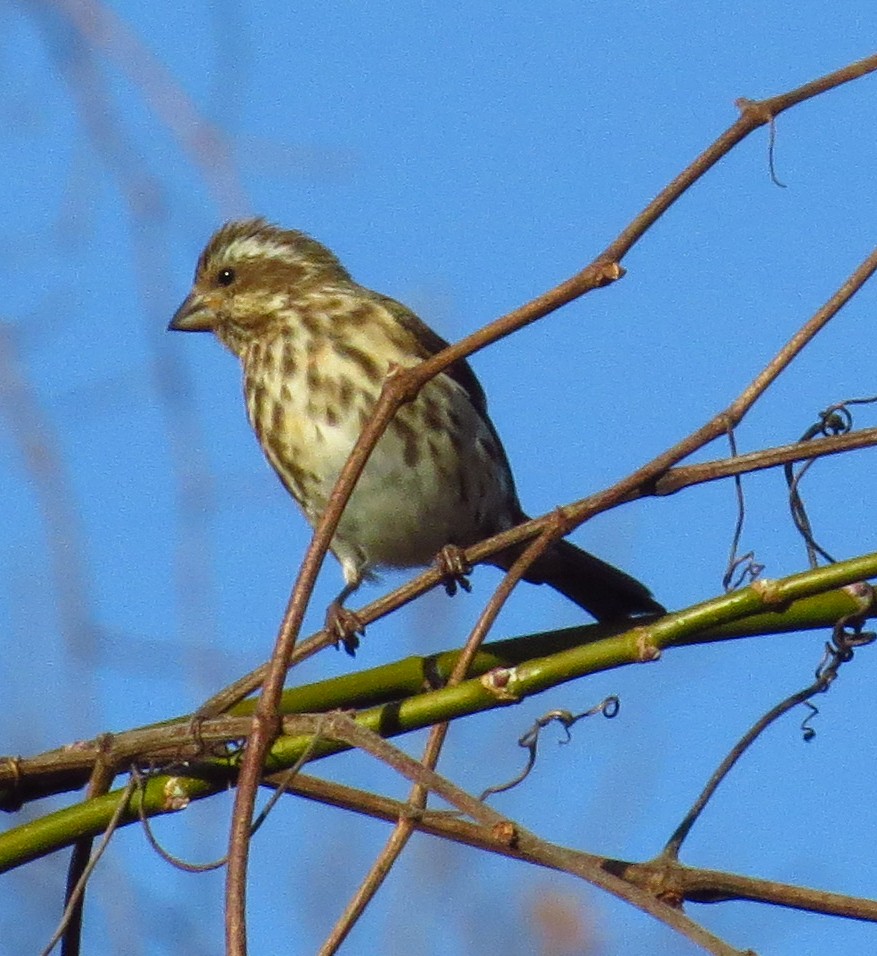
249, 273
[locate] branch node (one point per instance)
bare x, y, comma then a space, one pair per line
755, 109
768, 591
606, 272
505, 833
402, 383
499, 683
175, 796
646, 650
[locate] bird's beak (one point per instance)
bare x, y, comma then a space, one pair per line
194, 315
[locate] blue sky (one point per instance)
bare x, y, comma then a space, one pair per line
462, 158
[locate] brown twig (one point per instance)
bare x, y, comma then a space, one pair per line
656, 478
765, 608
837, 654
685, 476
692, 884
68, 928
587, 866
404, 384
102, 776
710, 886
376, 875
577, 513
417, 799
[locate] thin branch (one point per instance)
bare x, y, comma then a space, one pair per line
710, 886
692, 884
505, 671
658, 477
837, 654
686, 476
498, 686
417, 799
587, 866
75, 893
102, 776
373, 880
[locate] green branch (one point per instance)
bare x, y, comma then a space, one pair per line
504, 673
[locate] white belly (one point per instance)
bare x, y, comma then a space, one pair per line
420, 490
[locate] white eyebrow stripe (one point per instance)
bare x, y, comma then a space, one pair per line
252, 247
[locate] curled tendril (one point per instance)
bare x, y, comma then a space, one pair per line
744, 568
846, 636
837, 419
740, 567
608, 707
808, 732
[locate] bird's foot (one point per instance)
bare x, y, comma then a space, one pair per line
344, 626
455, 569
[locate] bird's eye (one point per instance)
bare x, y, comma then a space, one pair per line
225, 276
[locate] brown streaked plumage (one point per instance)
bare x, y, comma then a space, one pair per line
315, 347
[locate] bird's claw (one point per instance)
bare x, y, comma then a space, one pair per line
344, 626
455, 569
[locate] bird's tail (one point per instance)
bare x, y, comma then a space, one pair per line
601, 589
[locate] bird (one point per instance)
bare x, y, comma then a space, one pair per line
315, 347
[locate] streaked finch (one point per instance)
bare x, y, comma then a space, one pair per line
315, 347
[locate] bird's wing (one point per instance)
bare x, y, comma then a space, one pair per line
430, 343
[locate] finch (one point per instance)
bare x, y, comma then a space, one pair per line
315, 347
